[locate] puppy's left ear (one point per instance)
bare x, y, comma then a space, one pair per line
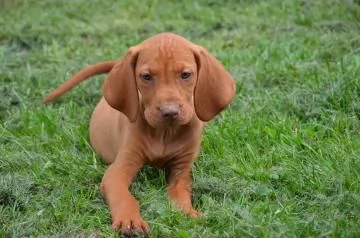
215, 87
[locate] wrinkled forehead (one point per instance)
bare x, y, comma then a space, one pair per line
166, 54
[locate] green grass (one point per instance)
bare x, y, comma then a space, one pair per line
282, 161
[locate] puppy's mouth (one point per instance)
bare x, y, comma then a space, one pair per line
170, 122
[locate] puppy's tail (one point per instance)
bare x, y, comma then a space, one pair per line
91, 70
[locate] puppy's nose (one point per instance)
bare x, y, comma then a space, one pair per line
170, 111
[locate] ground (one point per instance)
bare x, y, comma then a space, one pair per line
282, 161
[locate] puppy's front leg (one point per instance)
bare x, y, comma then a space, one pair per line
179, 189
125, 211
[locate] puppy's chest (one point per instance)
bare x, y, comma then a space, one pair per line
160, 151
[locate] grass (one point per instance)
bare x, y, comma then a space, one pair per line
282, 161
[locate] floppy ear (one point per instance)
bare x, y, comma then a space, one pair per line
215, 87
120, 90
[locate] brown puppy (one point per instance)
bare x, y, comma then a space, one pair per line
156, 102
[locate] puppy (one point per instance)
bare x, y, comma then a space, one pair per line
156, 101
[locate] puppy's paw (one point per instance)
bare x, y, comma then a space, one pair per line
130, 224
195, 214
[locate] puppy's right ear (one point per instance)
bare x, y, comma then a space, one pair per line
120, 90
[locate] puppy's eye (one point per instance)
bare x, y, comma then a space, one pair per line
185, 75
146, 77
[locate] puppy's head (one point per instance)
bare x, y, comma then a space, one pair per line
168, 79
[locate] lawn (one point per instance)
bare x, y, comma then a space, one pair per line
282, 161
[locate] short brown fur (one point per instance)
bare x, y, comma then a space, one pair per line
156, 102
